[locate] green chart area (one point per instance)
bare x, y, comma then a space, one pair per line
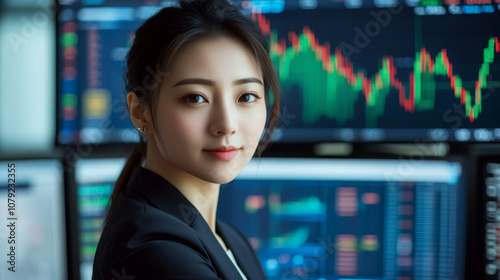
331, 85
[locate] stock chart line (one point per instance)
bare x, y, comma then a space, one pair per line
331, 86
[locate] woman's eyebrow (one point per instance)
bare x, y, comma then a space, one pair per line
247, 81
206, 82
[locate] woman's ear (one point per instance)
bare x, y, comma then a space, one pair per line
139, 114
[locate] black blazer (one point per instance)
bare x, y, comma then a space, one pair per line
154, 232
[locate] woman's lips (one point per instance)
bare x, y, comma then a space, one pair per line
223, 155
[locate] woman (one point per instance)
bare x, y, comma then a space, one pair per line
198, 78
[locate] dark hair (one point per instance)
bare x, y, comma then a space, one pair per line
160, 39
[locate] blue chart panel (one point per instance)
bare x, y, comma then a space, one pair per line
356, 219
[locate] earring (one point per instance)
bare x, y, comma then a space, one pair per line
142, 130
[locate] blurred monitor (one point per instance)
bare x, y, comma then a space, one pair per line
485, 224
351, 218
313, 218
491, 192
354, 70
95, 180
32, 211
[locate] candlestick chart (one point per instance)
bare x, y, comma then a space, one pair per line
346, 74
332, 85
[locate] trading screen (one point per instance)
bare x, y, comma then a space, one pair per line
323, 218
95, 180
351, 219
353, 70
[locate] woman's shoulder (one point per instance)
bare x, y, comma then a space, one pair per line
139, 236
134, 221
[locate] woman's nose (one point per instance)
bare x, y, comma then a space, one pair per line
223, 119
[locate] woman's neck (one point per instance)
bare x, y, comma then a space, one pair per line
202, 194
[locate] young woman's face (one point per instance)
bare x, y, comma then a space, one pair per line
212, 99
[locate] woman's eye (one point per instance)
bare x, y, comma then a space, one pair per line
195, 98
249, 97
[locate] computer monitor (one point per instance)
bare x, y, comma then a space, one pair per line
318, 218
95, 180
484, 222
355, 70
491, 192
32, 211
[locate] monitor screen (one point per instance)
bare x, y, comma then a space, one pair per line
354, 70
322, 218
351, 219
32, 211
95, 179
485, 239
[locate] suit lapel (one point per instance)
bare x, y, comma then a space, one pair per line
219, 258
243, 253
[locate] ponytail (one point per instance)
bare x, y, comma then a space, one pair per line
135, 157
